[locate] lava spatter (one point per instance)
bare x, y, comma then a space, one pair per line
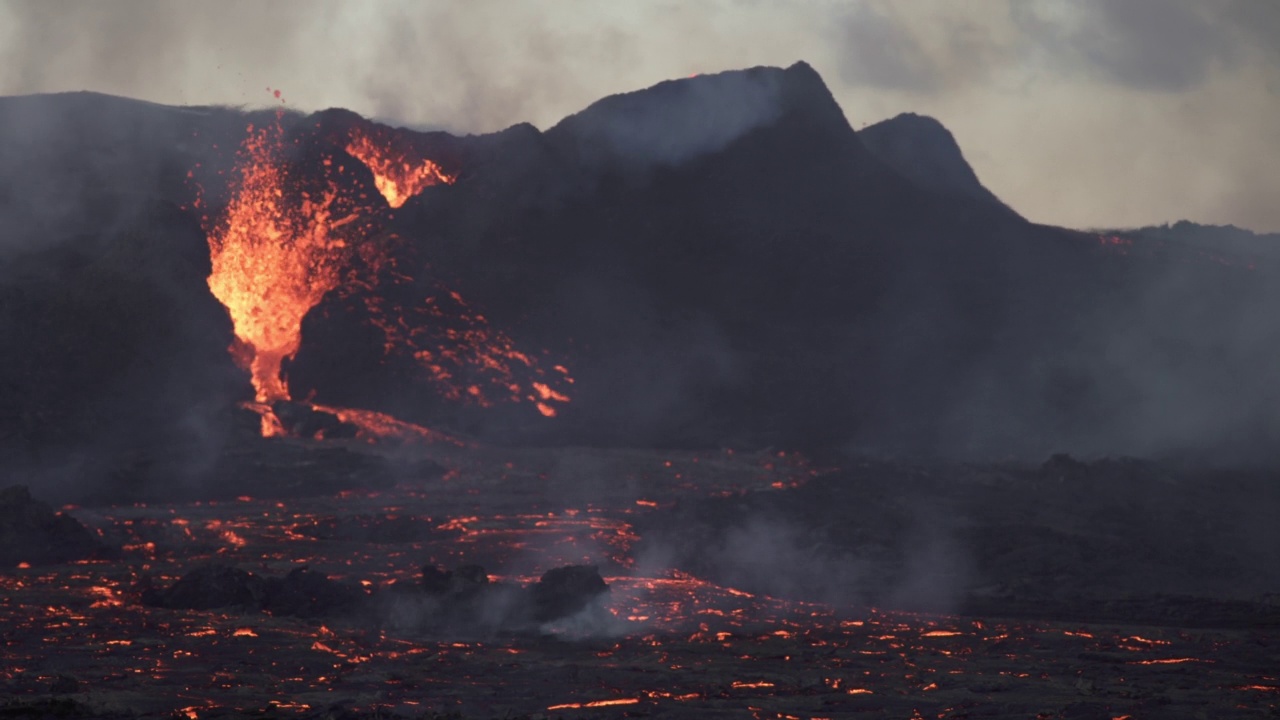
396, 175
274, 258
292, 233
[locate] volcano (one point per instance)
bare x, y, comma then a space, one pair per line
721, 259
716, 386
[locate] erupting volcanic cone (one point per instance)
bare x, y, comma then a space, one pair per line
273, 259
294, 231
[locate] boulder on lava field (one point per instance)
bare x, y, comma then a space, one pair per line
462, 599
465, 598
301, 593
466, 580
435, 580
208, 587
563, 591
31, 532
307, 593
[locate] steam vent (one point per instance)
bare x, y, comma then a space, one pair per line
697, 403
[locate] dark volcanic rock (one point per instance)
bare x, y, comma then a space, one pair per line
279, 469
920, 149
467, 580
301, 593
719, 259
561, 592
209, 587
64, 685
247, 465
113, 344
435, 580
722, 259
1115, 540
31, 532
300, 420
306, 593
464, 598
461, 599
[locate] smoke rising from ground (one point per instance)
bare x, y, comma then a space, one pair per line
1076, 113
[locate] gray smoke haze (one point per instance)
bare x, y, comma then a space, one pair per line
1085, 114
921, 565
696, 118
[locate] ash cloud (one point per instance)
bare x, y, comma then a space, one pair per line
677, 121
880, 50
810, 546
1145, 44
1070, 111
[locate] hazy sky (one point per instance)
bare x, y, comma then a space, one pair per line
1076, 112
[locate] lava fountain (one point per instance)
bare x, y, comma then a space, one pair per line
282, 244
273, 261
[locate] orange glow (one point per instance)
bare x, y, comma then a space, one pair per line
596, 703
1145, 641
106, 598
546, 393
451, 341
374, 425
279, 248
395, 175
272, 263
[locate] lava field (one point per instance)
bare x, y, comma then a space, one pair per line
662, 642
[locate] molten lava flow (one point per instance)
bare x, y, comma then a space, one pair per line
467, 359
373, 426
272, 262
595, 704
396, 176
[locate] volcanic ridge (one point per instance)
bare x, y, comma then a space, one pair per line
699, 401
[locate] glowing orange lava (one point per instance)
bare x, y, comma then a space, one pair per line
596, 704
282, 244
374, 426
397, 177
272, 262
